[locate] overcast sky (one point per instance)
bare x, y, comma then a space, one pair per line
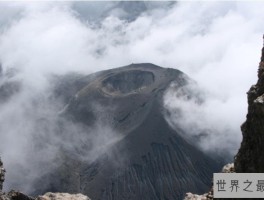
218, 44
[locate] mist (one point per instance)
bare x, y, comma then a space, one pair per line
217, 44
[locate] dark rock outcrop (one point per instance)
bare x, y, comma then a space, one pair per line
250, 157
15, 195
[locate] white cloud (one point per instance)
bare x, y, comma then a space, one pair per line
215, 43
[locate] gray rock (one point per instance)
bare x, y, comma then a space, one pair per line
62, 196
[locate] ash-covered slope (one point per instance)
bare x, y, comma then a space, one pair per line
250, 157
149, 160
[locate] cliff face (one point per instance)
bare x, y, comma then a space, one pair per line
250, 157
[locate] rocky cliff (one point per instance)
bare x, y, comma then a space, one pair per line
250, 157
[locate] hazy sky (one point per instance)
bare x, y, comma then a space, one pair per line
217, 44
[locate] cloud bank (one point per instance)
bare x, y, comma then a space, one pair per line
215, 43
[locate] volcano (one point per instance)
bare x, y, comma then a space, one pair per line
149, 160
